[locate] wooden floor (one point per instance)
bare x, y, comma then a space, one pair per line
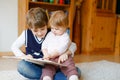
11, 64
89, 58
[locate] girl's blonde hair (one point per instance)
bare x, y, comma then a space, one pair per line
58, 18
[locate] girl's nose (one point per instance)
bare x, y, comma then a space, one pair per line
54, 30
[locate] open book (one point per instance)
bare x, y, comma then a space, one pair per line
39, 61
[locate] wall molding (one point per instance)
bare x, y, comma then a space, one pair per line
6, 54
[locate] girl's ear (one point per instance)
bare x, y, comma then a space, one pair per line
68, 31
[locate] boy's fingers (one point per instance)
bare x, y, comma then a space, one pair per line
63, 58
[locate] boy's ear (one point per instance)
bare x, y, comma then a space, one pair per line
49, 28
48, 16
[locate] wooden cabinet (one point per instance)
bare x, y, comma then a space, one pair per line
77, 28
117, 44
98, 22
25, 5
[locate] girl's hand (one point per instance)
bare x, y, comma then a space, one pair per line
62, 58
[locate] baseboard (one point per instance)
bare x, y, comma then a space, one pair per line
6, 54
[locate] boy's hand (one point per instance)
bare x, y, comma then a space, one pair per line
46, 56
62, 58
26, 56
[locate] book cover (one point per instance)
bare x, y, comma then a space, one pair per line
39, 61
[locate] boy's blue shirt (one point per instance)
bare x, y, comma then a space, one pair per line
33, 45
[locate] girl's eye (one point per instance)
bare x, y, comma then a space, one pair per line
52, 28
56, 29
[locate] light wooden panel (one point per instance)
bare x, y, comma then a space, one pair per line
103, 33
98, 31
87, 17
6, 54
22, 10
117, 44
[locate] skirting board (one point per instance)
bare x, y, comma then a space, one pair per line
6, 54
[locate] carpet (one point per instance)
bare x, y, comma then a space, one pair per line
98, 70
11, 75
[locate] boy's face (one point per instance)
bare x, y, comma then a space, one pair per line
58, 30
40, 32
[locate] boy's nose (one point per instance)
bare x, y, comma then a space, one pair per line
39, 33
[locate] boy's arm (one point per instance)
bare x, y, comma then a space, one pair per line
44, 47
18, 44
69, 52
63, 44
45, 54
60, 49
72, 49
54, 54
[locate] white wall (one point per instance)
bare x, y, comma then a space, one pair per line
8, 24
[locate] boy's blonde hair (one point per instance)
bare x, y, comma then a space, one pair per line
59, 18
36, 18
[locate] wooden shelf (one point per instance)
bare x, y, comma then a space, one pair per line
50, 4
25, 5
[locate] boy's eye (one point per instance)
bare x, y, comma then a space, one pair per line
35, 30
43, 29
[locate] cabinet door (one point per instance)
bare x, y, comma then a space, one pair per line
104, 27
117, 41
103, 34
98, 23
106, 7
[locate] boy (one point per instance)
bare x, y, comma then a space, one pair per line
32, 38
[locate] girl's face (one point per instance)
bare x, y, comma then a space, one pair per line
40, 32
58, 30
